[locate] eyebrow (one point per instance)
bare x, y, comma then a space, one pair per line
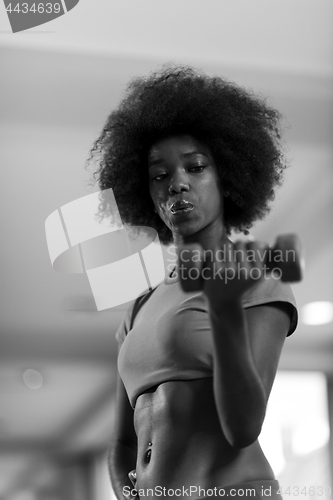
157, 161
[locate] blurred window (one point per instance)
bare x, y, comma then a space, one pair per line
295, 435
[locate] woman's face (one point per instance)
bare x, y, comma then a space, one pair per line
185, 188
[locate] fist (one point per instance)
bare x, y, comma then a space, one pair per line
226, 272
232, 269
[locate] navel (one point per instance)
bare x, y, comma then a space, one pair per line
148, 452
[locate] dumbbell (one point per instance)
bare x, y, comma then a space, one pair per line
285, 258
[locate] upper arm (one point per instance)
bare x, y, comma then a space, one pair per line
268, 326
124, 426
123, 446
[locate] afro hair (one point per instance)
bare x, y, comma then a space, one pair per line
241, 131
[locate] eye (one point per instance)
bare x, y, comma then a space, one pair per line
159, 177
197, 168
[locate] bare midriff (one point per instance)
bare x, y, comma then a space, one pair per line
181, 442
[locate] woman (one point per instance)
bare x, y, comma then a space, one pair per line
194, 157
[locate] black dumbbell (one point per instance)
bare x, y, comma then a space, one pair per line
286, 257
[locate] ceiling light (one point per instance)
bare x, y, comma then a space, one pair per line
317, 313
32, 379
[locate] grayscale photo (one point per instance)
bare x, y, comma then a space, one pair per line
166, 306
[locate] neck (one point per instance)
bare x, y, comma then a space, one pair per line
208, 238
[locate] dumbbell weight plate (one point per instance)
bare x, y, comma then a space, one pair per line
289, 248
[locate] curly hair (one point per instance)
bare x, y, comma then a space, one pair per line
241, 131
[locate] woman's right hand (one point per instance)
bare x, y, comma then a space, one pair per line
132, 477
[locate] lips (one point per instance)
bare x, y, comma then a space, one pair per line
181, 206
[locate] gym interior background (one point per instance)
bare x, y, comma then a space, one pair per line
58, 354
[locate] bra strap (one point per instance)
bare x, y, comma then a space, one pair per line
138, 304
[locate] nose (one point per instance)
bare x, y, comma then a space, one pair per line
178, 183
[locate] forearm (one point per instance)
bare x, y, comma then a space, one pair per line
122, 459
239, 393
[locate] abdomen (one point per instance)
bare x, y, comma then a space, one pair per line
181, 443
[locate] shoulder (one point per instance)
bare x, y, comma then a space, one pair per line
267, 291
125, 324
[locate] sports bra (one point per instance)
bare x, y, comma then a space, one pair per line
170, 336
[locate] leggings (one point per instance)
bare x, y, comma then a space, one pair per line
258, 490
